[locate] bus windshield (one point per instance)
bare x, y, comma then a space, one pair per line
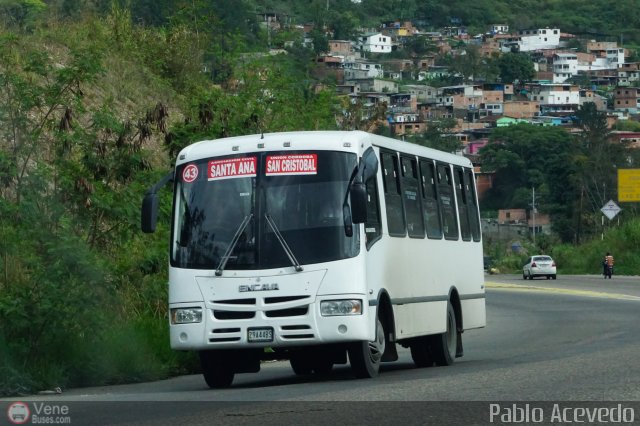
302, 192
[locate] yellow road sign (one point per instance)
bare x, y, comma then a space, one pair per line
628, 185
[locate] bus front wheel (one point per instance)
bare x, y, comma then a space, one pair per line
445, 344
365, 357
217, 369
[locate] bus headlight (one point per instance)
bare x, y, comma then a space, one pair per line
341, 307
186, 315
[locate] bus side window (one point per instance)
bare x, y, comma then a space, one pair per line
373, 225
393, 195
447, 202
430, 207
411, 195
470, 186
463, 201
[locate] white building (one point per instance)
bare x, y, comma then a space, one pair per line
375, 43
615, 56
356, 70
552, 97
530, 40
499, 29
565, 66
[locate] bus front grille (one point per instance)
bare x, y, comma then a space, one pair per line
236, 302
291, 312
224, 339
297, 336
233, 315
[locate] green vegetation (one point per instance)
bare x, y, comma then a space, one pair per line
92, 113
623, 241
98, 97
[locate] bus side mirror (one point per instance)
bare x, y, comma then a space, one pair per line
149, 215
358, 194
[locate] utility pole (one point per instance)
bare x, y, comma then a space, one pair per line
533, 213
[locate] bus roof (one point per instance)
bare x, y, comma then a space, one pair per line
354, 141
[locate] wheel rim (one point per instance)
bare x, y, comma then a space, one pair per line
376, 347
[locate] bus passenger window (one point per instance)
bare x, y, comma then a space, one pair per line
392, 195
430, 207
411, 195
473, 204
463, 208
447, 202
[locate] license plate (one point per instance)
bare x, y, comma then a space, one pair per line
264, 334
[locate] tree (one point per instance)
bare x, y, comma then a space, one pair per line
525, 156
21, 13
468, 63
599, 160
439, 135
515, 68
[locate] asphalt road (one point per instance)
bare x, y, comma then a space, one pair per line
571, 339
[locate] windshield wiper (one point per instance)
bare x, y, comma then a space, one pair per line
234, 242
283, 243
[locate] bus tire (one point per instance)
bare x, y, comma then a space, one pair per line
444, 345
322, 367
421, 352
300, 365
365, 357
217, 369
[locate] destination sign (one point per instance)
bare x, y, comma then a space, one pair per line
295, 164
232, 168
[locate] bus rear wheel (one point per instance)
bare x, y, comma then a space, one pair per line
217, 369
421, 352
444, 345
365, 357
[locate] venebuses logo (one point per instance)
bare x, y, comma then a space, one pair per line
18, 413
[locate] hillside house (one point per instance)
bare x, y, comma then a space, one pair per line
473, 147
362, 69
375, 43
402, 103
521, 109
555, 98
628, 74
506, 121
341, 48
607, 52
627, 99
589, 95
373, 85
499, 29
406, 125
530, 40
512, 216
397, 30
422, 93
632, 138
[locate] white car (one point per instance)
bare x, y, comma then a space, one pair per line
539, 266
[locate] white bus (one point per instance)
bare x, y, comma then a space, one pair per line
321, 246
